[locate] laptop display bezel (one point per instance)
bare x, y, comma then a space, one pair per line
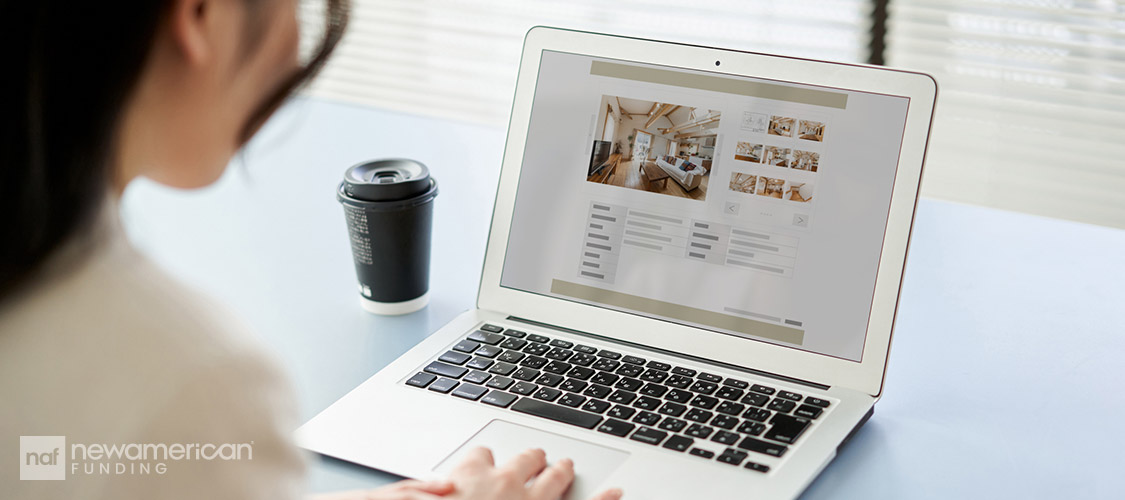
865, 375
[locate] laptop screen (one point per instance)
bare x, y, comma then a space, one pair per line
744, 206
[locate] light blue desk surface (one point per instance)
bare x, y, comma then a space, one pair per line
1006, 376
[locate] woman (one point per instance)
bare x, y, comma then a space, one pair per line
98, 345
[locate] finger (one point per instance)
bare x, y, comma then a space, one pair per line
527, 464
437, 487
610, 494
554, 481
477, 458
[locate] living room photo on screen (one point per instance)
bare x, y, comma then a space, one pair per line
657, 147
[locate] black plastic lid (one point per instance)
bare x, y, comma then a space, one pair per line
386, 180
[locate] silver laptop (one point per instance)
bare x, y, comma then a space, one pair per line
691, 276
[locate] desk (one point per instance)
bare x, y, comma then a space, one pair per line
1005, 378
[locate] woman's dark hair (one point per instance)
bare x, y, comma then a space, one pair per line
71, 67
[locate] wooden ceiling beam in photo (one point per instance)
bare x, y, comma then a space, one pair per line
714, 117
663, 110
695, 135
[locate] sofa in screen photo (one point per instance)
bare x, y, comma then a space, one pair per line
689, 177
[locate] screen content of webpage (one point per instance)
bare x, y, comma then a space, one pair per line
744, 206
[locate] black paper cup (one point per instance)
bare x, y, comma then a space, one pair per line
388, 205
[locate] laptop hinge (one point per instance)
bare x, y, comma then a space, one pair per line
701, 359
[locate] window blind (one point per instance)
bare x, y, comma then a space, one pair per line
458, 60
1031, 107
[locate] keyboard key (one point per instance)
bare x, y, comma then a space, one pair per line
673, 409
585, 349
466, 346
595, 405
549, 379
786, 428
622, 397
730, 408
649, 435
479, 363
628, 370
732, 456
782, 405
477, 377
654, 390
647, 403
582, 359
629, 384
707, 377
698, 415
616, 427
633, 360
699, 431
515, 333
557, 413
597, 391
609, 354
687, 372
622, 412
485, 337
646, 418
547, 394
511, 356
751, 427
572, 400
502, 383
792, 396
724, 422
755, 466
536, 349
757, 414
699, 452
705, 402
727, 392
763, 389
469, 391
560, 354
489, 351
725, 437
764, 447
556, 367
680, 396
606, 378
497, 398
533, 362
755, 399
739, 384
525, 374
454, 357
659, 366
823, 403
672, 424
704, 387
572, 385
562, 343
524, 388
654, 375
808, 411
679, 381
513, 343
439, 368
421, 379
443, 385
538, 338
580, 372
502, 368
491, 328
678, 443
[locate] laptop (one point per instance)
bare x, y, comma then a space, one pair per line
690, 281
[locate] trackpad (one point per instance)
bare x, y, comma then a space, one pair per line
592, 463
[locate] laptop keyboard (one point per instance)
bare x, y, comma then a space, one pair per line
627, 396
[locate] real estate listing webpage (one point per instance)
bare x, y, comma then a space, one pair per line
750, 207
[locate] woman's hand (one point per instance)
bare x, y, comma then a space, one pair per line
478, 478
